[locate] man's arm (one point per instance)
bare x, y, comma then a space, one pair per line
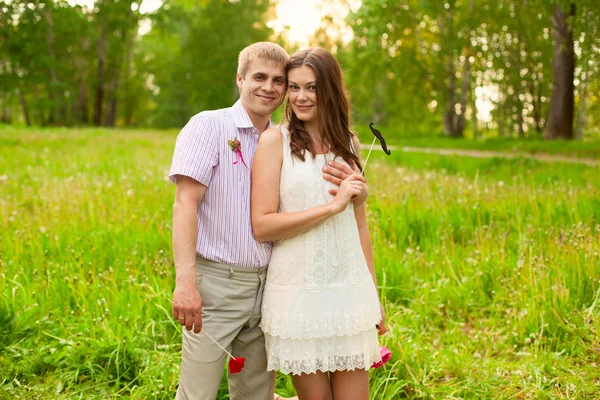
187, 304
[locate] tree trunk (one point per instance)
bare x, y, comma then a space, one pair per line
519, 120
536, 103
464, 95
471, 83
82, 108
562, 104
502, 117
6, 115
111, 109
40, 110
101, 54
446, 39
582, 105
129, 104
520, 123
53, 89
475, 120
113, 91
24, 106
82, 104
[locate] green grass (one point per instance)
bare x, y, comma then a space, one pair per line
589, 148
489, 268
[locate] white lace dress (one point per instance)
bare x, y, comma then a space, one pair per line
320, 305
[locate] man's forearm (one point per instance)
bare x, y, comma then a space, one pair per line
185, 237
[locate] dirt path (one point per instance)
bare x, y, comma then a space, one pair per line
491, 154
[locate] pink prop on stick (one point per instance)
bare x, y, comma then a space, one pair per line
235, 364
386, 354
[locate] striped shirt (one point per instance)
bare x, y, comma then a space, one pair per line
203, 153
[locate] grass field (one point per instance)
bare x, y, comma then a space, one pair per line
588, 148
490, 270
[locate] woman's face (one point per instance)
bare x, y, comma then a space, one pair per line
302, 93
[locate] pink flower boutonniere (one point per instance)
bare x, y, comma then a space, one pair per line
236, 146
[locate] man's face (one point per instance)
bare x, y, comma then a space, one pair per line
263, 87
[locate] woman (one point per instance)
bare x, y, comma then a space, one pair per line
321, 313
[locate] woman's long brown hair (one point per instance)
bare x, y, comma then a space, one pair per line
333, 108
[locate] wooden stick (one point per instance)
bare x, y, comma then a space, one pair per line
217, 343
368, 155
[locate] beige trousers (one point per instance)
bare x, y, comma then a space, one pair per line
231, 302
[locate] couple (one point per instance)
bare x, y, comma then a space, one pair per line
250, 194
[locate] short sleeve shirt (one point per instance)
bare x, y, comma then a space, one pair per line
202, 153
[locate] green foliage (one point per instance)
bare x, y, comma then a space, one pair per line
461, 67
193, 52
389, 70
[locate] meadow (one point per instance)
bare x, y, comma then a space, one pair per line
489, 269
589, 147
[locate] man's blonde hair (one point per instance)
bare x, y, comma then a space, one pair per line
267, 51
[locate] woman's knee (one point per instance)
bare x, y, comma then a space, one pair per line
313, 386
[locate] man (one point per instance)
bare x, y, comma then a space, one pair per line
220, 268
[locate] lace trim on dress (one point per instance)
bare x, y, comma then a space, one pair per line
335, 353
329, 364
290, 326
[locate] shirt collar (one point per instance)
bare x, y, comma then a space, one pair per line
241, 118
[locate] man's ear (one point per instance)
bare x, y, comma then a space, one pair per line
238, 80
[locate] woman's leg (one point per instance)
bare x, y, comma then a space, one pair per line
350, 385
312, 386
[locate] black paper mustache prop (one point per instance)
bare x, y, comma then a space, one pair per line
378, 135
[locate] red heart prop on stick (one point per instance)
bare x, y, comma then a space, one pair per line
236, 364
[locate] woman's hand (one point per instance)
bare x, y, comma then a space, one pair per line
336, 172
381, 328
349, 188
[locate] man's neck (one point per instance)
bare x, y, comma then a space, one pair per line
260, 122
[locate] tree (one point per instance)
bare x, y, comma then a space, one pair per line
517, 48
575, 25
192, 54
424, 48
562, 104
